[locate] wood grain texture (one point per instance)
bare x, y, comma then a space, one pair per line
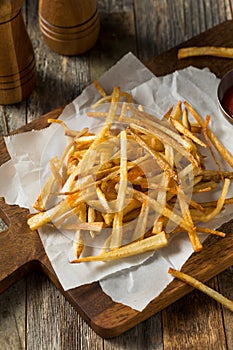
13, 314
217, 66
61, 317
225, 287
162, 25
207, 333
79, 71
117, 37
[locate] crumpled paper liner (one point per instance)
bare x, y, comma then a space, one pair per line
134, 281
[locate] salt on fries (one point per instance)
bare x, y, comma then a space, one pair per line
91, 180
225, 52
202, 287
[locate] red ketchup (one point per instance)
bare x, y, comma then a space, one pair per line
227, 101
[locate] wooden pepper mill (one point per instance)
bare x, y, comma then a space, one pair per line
69, 27
17, 60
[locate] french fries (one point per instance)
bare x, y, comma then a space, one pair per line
226, 52
132, 187
202, 287
151, 243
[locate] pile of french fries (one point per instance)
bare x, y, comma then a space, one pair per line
135, 183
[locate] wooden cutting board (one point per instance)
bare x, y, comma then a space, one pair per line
21, 250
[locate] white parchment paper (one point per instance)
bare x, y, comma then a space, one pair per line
137, 280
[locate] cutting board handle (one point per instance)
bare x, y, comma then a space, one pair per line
20, 248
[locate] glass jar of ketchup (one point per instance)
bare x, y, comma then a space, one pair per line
225, 95
227, 101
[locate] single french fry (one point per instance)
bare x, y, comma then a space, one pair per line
204, 186
192, 232
142, 246
78, 243
176, 115
99, 88
42, 218
167, 115
185, 52
91, 215
123, 172
210, 231
97, 114
220, 203
140, 228
54, 166
202, 287
117, 230
185, 120
104, 99
68, 132
216, 175
87, 226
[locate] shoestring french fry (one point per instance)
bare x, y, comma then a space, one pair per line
99, 88
185, 120
206, 217
215, 175
148, 244
226, 52
125, 186
176, 115
209, 231
202, 287
68, 132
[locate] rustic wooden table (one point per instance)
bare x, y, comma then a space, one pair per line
33, 313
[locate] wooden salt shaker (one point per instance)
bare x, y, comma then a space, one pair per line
17, 61
69, 27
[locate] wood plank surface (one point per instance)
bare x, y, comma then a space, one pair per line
33, 314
